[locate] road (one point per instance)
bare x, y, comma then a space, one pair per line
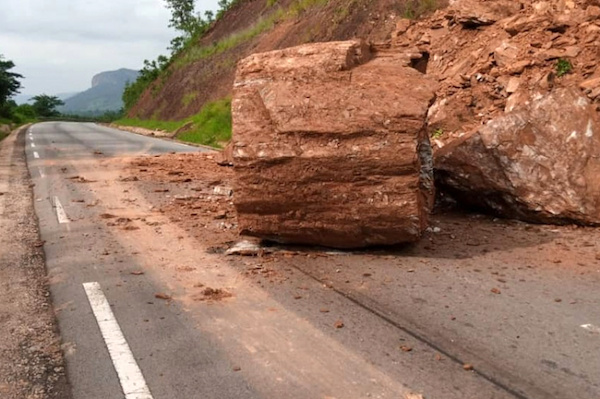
522, 311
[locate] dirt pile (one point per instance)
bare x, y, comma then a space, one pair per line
511, 104
330, 147
484, 53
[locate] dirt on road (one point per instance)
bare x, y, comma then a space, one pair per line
195, 192
31, 361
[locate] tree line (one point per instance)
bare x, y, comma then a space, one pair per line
42, 106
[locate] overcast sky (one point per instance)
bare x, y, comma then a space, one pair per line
59, 45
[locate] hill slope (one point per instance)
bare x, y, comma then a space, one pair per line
104, 95
204, 72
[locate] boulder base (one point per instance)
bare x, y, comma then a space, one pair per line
539, 163
330, 147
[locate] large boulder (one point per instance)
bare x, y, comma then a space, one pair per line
540, 162
330, 147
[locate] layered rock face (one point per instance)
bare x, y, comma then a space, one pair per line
330, 146
540, 162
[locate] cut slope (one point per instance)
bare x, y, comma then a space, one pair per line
204, 72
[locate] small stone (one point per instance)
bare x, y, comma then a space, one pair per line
338, 324
467, 367
496, 291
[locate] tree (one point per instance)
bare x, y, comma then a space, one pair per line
183, 16
9, 81
45, 106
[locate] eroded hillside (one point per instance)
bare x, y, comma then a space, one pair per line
205, 71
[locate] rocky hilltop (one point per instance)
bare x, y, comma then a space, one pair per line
104, 95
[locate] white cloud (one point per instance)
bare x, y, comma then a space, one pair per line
59, 45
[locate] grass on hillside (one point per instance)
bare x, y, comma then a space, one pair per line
211, 126
260, 26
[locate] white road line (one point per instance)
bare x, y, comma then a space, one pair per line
132, 380
591, 328
60, 212
36, 155
32, 145
30, 137
41, 172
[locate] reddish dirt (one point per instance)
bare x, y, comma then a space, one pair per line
212, 78
182, 186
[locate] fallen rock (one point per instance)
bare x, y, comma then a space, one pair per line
330, 146
245, 248
539, 163
472, 13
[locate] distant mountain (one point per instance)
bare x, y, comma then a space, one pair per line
104, 95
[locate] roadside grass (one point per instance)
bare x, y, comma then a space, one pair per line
211, 126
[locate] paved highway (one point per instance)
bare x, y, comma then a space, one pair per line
411, 322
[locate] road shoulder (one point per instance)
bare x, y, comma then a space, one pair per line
31, 360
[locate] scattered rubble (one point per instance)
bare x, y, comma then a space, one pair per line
212, 294
507, 72
163, 296
245, 248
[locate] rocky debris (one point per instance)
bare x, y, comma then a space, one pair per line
144, 132
473, 13
507, 71
245, 248
81, 179
483, 52
330, 147
540, 162
212, 294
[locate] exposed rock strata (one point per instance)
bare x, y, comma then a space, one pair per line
330, 146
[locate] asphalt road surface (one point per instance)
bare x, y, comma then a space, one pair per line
422, 326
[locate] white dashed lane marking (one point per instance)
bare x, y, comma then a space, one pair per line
61, 215
36, 155
32, 145
591, 328
132, 380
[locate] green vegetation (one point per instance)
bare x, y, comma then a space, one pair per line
437, 133
189, 98
211, 126
193, 27
415, 8
45, 106
260, 26
563, 67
